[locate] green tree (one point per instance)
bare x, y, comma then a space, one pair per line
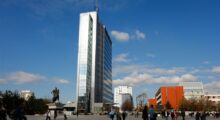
11, 100
36, 106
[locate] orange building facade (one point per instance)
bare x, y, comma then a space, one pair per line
173, 94
152, 102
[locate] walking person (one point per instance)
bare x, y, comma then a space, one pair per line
172, 115
183, 114
152, 113
65, 117
124, 114
145, 113
166, 114
118, 115
176, 115
77, 114
112, 114
198, 116
48, 115
203, 116
55, 114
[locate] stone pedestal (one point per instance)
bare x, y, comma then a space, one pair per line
55, 106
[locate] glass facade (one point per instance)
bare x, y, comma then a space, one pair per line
94, 72
85, 68
103, 74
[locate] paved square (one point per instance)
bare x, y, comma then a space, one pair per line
102, 117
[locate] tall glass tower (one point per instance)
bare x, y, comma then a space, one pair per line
94, 67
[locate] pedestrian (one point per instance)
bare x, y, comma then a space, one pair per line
65, 117
166, 114
152, 113
124, 114
172, 115
198, 116
203, 116
55, 114
145, 113
176, 115
112, 114
77, 113
48, 115
183, 114
118, 115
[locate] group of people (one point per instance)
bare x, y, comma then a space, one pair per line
165, 114
48, 115
119, 116
153, 115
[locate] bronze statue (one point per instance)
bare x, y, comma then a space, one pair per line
55, 93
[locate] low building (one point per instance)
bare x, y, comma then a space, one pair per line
69, 108
153, 102
26, 94
171, 94
192, 89
213, 97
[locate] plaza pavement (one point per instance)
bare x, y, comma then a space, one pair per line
101, 117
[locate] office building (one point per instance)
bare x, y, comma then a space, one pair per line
171, 94
94, 66
118, 94
192, 89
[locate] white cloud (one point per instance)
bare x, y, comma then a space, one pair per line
151, 55
206, 62
128, 69
62, 81
124, 36
146, 69
2, 81
139, 34
121, 58
120, 36
216, 69
145, 78
174, 70
21, 77
213, 87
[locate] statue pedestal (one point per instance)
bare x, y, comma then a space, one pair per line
55, 106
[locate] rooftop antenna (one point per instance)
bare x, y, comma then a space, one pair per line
96, 6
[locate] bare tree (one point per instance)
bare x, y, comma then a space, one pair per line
127, 106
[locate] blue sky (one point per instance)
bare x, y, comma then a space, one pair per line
155, 43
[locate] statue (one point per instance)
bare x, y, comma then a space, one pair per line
55, 93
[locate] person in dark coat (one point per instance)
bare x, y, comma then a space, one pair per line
203, 116
152, 113
183, 114
198, 116
124, 114
145, 113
